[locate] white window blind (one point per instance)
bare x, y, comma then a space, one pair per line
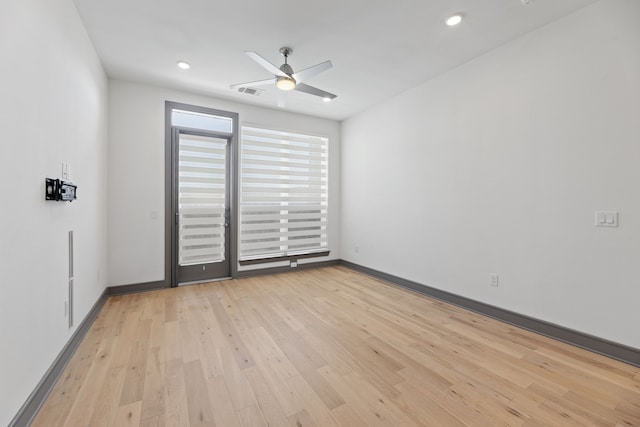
283, 197
201, 199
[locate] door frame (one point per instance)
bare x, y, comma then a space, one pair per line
171, 253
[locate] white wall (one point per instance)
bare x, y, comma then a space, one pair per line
498, 167
136, 173
53, 110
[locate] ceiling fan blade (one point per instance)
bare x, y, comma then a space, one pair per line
307, 73
301, 87
256, 83
266, 64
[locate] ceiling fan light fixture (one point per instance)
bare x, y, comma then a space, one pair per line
286, 83
326, 99
454, 20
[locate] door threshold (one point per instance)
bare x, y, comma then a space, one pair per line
197, 282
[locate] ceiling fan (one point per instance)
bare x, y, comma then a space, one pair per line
284, 77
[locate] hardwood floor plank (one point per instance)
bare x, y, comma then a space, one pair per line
311, 402
629, 411
108, 402
423, 409
345, 416
239, 349
252, 417
132, 390
175, 395
199, 404
240, 391
85, 403
272, 411
128, 415
277, 380
267, 353
223, 412
368, 402
153, 395
302, 419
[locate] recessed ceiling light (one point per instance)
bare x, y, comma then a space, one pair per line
454, 20
184, 65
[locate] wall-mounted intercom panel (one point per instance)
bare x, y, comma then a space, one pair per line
59, 190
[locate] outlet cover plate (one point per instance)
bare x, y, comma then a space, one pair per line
493, 279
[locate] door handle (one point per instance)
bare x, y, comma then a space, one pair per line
226, 216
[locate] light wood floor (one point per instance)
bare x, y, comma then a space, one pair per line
327, 347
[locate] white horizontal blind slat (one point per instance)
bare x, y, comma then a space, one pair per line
284, 193
201, 199
269, 143
265, 135
282, 181
252, 227
273, 173
311, 243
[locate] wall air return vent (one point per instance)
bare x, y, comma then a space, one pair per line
250, 91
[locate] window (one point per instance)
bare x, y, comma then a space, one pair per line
201, 121
283, 194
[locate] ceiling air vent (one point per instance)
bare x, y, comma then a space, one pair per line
250, 91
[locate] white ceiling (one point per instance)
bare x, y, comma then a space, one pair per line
379, 48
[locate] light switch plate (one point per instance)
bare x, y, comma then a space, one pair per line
606, 219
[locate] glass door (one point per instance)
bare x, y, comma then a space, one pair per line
201, 205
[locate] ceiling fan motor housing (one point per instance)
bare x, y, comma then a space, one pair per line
286, 68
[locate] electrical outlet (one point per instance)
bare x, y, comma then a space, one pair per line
493, 279
294, 264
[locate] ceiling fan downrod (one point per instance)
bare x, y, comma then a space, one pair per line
286, 68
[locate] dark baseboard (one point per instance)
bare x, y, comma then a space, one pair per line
36, 399
135, 288
592, 343
286, 268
